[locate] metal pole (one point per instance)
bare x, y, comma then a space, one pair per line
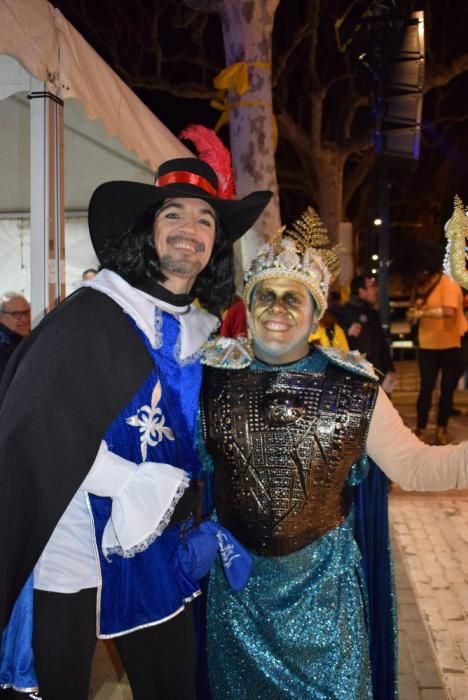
384, 245
47, 221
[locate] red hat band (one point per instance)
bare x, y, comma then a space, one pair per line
189, 178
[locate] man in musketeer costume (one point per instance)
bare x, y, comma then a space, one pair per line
287, 429
97, 448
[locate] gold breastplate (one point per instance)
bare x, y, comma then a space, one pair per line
283, 444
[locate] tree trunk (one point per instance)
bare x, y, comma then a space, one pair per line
247, 29
330, 171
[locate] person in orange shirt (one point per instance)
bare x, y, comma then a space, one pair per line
438, 305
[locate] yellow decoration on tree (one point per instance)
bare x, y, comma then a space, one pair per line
236, 78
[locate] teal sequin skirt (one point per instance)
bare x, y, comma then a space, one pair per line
298, 630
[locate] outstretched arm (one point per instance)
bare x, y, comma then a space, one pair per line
406, 460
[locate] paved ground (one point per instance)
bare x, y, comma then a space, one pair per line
418, 674
109, 681
430, 535
430, 540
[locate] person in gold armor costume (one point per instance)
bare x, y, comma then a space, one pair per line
287, 430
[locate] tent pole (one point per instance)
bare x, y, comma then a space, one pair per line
47, 218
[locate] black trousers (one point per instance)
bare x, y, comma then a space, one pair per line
430, 362
159, 660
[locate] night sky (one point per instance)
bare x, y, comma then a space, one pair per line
122, 32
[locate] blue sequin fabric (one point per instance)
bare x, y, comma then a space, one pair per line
298, 630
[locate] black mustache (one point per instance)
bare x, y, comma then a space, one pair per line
199, 246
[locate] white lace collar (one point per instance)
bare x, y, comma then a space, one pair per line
196, 325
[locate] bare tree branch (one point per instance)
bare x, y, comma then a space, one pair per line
353, 105
304, 32
187, 90
357, 145
300, 140
338, 79
316, 119
439, 75
357, 177
294, 132
203, 5
454, 119
314, 15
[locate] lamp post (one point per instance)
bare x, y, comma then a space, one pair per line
384, 244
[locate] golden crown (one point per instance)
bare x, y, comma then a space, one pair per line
456, 251
300, 252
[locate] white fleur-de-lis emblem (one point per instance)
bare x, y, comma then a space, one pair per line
151, 423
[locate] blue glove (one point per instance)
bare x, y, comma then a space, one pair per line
237, 562
196, 551
199, 546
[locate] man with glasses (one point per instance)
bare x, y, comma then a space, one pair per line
15, 323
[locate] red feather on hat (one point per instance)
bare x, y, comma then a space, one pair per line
212, 150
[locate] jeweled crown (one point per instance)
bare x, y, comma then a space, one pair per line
456, 252
300, 252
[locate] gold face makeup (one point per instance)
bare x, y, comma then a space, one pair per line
280, 319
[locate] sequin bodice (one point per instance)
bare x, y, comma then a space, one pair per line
283, 444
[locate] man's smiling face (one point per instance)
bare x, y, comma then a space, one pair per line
16, 315
184, 235
281, 317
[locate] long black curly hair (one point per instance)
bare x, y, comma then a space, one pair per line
133, 256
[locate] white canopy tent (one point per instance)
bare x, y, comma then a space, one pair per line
91, 156
68, 123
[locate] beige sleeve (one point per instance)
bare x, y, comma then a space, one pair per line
406, 460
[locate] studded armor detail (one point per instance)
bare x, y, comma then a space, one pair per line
283, 444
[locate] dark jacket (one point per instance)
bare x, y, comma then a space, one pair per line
9, 341
372, 341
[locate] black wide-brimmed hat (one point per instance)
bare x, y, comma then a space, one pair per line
115, 205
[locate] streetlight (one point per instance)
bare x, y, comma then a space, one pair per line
377, 222
375, 256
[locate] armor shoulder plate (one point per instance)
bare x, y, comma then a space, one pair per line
227, 353
352, 360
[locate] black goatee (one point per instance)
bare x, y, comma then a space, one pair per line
183, 268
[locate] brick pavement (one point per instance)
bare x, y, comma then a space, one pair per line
418, 674
430, 534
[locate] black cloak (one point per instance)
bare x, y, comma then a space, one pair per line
65, 384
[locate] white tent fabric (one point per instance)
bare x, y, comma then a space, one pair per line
108, 133
51, 49
15, 256
91, 156
15, 247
